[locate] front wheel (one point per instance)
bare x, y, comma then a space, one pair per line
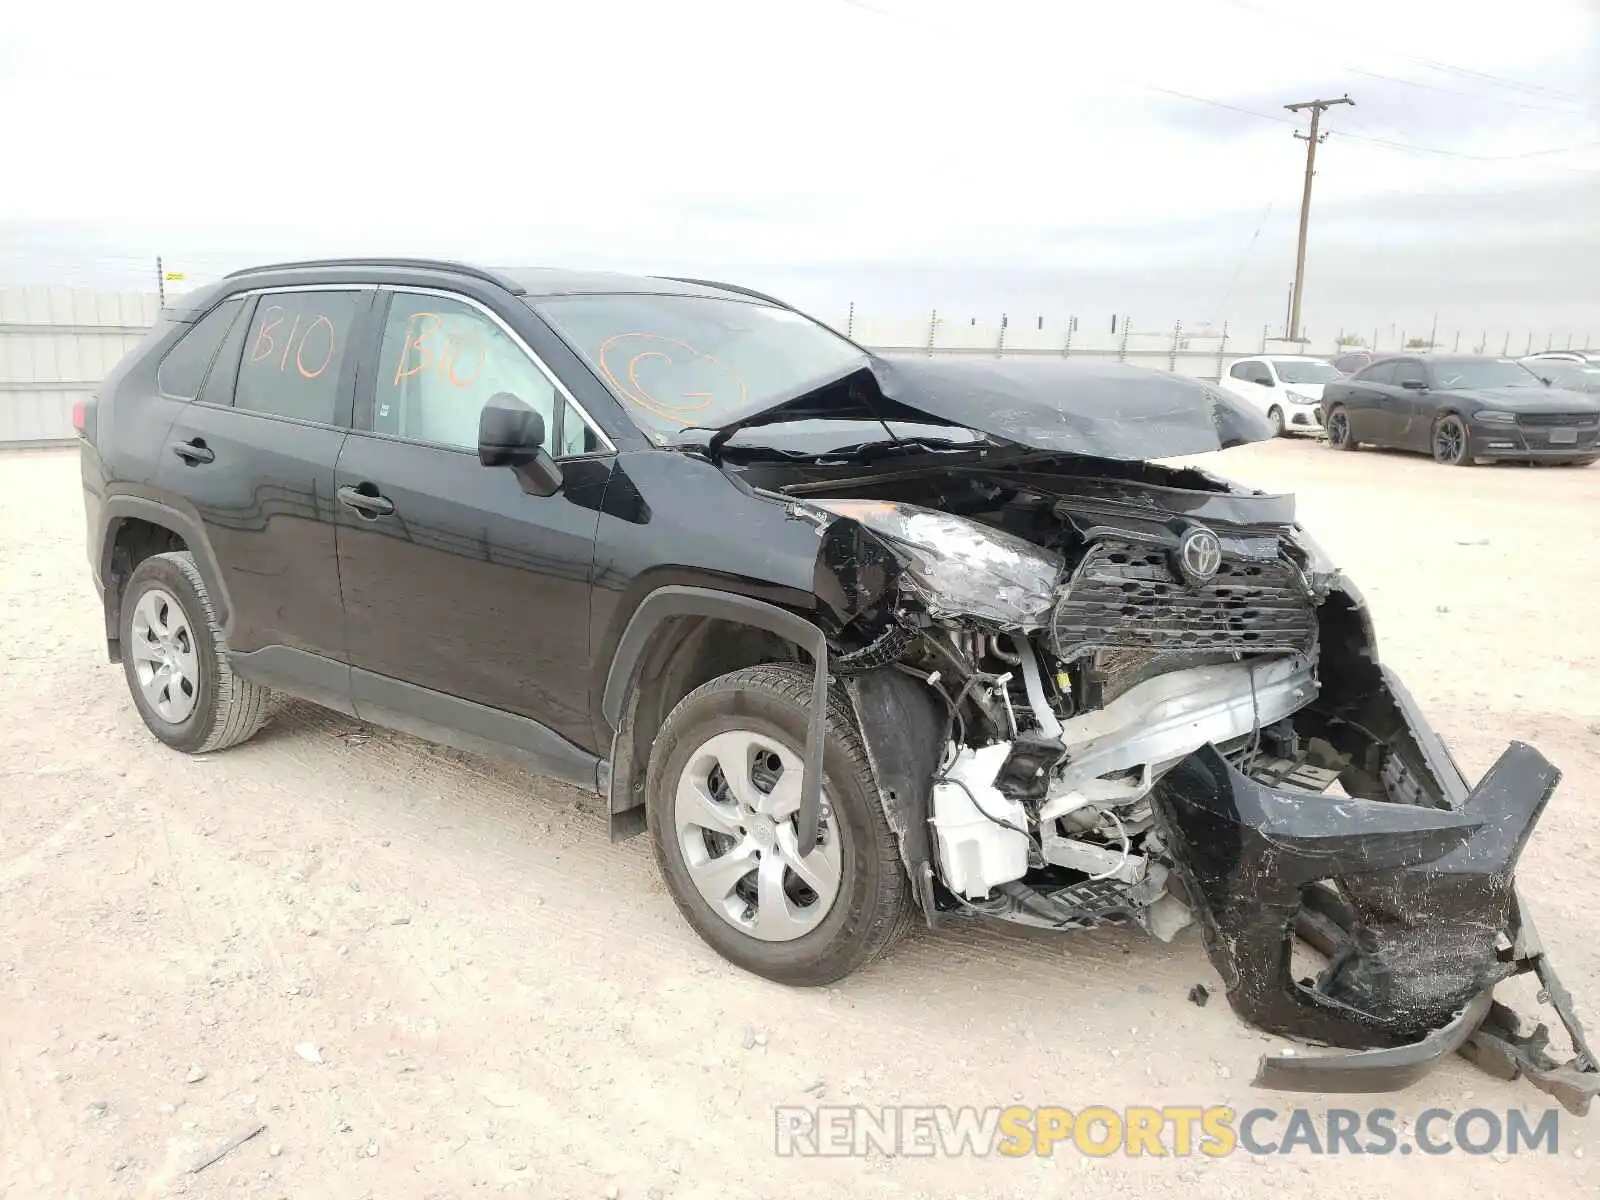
1275, 415
1450, 441
1339, 437
721, 798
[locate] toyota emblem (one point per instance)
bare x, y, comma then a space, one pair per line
1199, 555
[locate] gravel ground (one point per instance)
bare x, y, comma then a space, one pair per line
427, 974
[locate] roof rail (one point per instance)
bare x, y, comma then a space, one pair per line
730, 287
429, 264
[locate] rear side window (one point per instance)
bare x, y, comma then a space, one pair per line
293, 353
184, 366
218, 387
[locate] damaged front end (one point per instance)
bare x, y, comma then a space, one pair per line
1099, 692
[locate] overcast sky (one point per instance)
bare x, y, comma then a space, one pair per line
1031, 156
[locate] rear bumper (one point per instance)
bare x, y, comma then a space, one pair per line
1414, 906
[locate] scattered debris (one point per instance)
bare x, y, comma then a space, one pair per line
275, 1149
761, 1039
227, 1148
613, 1192
309, 1052
749, 1039
372, 1150
1443, 608
1199, 994
195, 1075
401, 919
1475, 542
816, 1087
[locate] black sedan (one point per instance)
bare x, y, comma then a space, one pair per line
1462, 410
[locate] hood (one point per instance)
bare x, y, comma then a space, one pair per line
1107, 410
1529, 399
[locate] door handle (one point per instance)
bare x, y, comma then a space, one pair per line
194, 451
367, 504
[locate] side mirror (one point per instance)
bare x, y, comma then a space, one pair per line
1414, 385
510, 434
1264, 381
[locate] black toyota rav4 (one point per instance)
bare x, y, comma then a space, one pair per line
860, 640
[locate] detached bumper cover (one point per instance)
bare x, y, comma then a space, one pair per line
1414, 906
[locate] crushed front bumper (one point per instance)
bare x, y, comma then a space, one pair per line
1414, 906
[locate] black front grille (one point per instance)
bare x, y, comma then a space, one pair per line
1567, 420
1125, 596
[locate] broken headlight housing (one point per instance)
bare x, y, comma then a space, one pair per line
958, 567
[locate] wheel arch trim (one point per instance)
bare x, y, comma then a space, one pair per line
676, 600
119, 509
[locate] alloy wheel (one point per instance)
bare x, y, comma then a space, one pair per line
1449, 441
1339, 428
164, 657
734, 815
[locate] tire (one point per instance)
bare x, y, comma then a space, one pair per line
1450, 442
1275, 415
1338, 428
1577, 462
798, 944
206, 706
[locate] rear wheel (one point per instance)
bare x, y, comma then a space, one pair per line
721, 798
176, 663
1339, 430
1450, 441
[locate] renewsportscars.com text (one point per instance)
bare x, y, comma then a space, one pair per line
1178, 1131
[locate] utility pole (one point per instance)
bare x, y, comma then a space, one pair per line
1317, 107
161, 284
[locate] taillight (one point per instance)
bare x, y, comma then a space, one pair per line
83, 418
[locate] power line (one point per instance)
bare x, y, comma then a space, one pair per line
1433, 64
1210, 102
1430, 87
1416, 149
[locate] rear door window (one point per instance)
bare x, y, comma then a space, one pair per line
185, 365
1377, 373
294, 352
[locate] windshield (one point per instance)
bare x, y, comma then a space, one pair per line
1568, 375
1483, 373
679, 361
1292, 370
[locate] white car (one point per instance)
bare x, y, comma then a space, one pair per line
1286, 387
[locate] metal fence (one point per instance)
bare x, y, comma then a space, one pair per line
57, 343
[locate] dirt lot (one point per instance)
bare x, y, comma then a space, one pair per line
501, 1000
